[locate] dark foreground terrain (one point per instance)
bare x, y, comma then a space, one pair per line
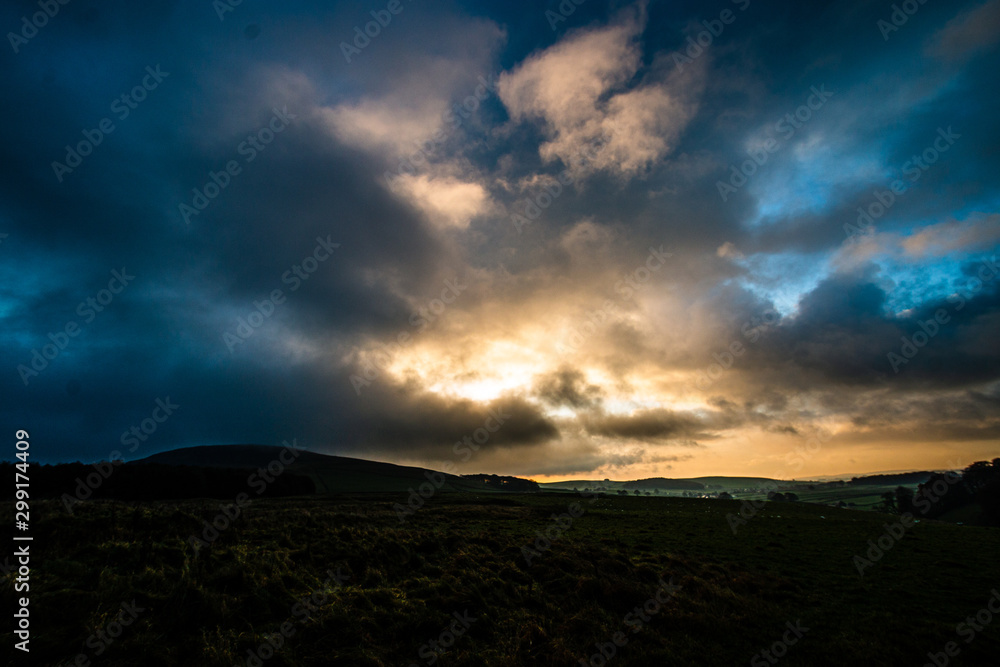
343, 581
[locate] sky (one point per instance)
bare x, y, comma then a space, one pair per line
565, 240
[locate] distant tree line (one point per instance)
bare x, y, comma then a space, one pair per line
941, 493
893, 478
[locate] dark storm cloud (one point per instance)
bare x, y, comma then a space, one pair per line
568, 387
650, 425
844, 335
431, 425
119, 209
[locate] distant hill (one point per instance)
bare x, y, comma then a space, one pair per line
722, 482
224, 471
330, 474
228, 456
729, 482
665, 483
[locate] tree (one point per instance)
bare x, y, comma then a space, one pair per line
791, 497
904, 499
989, 500
983, 479
941, 493
978, 475
888, 503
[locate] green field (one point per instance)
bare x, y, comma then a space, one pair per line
857, 496
462, 553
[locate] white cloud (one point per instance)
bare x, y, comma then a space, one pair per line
386, 123
579, 89
409, 104
978, 233
448, 202
728, 250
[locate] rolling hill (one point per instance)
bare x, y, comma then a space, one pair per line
330, 474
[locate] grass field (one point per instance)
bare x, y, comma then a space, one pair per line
866, 496
283, 562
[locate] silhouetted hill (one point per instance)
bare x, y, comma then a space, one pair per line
229, 456
224, 471
73, 482
330, 474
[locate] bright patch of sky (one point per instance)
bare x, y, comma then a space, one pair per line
783, 278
